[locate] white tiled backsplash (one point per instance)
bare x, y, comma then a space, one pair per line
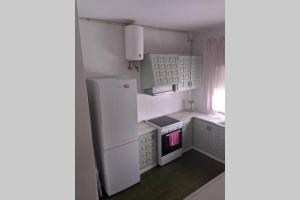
155, 106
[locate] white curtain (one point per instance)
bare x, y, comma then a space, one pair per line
214, 75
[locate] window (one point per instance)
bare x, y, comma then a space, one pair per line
218, 100
214, 73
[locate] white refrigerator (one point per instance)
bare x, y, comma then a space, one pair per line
113, 110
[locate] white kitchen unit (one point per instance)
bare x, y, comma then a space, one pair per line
179, 72
148, 143
208, 132
113, 110
195, 135
209, 137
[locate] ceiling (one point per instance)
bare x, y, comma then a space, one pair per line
188, 15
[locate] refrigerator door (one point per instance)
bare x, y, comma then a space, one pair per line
118, 108
121, 168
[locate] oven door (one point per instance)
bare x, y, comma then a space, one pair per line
169, 143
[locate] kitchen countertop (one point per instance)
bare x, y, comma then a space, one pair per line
144, 127
213, 118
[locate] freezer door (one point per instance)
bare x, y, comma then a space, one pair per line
118, 108
121, 168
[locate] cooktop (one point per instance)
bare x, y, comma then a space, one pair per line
163, 121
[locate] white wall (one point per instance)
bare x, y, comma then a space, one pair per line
200, 37
103, 49
159, 41
199, 42
155, 106
85, 169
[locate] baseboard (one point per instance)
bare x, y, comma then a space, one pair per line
208, 154
147, 168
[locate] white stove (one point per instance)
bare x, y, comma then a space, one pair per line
169, 140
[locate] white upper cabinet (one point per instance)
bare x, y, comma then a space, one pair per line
182, 71
190, 72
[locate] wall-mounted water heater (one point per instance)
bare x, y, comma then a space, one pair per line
134, 42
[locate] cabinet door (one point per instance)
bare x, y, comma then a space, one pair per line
147, 149
184, 72
204, 139
152, 148
196, 71
200, 134
142, 151
220, 142
216, 141
196, 133
209, 138
187, 134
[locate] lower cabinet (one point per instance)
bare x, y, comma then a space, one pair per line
148, 145
209, 138
219, 142
187, 134
200, 134
148, 149
206, 136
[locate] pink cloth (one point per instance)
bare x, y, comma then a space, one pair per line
174, 138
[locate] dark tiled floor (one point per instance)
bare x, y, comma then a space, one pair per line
175, 180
